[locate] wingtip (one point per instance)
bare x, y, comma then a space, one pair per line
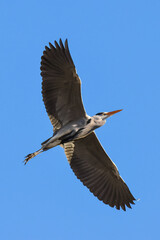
47, 49
56, 44
50, 44
123, 206
60, 41
66, 43
60, 44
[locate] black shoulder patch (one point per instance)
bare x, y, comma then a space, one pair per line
88, 121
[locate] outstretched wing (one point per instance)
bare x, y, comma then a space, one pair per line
95, 169
61, 86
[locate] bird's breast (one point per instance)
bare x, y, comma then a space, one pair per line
85, 130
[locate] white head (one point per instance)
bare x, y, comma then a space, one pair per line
100, 118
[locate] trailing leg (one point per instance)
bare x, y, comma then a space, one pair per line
32, 155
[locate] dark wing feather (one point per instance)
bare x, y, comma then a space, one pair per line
61, 86
95, 169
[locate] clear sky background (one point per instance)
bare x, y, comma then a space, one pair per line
116, 49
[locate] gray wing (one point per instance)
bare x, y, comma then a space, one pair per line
61, 86
95, 169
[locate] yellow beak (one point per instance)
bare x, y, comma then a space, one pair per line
109, 114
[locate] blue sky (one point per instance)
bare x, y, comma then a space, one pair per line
116, 49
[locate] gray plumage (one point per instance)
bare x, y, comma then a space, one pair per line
74, 129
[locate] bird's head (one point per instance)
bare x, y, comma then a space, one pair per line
105, 115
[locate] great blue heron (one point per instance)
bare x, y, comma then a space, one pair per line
74, 129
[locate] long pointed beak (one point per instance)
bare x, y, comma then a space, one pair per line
109, 114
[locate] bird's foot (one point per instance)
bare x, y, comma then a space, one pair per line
31, 155
28, 157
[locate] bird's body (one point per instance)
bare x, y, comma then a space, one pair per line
74, 129
71, 132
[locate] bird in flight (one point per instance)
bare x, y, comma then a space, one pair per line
74, 129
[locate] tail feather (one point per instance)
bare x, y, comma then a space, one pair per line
32, 155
